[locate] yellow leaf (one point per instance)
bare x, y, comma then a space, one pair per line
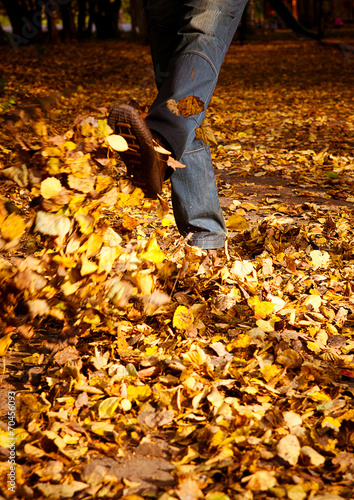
64, 261
53, 166
94, 244
117, 142
90, 316
242, 268
296, 492
40, 128
314, 301
129, 222
313, 346
51, 151
248, 206
182, 318
319, 396
226, 453
167, 222
125, 405
86, 223
319, 259
217, 495
84, 185
107, 407
261, 308
13, 227
107, 258
237, 222
266, 326
135, 497
242, 341
69, 145
103, 182
196, 356
145, 283
332, 423
5, 344
75, 203
87, 267
270, 371
111, 238
152, 252
69, 288
50, 187
206, 134
80, 167
140, 393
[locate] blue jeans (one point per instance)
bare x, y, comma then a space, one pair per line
189, 40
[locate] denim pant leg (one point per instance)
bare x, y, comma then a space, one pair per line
195, 199
206, 28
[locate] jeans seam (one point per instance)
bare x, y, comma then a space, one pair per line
200, 54
194, 151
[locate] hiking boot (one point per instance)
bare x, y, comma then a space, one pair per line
146, 160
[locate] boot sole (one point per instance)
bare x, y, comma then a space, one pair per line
140, 159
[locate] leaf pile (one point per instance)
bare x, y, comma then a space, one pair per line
166, 371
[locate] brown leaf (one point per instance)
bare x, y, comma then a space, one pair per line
190, 105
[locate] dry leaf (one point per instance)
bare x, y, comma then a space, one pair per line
237, 222
261, 481
117, 142
190, 105
13, 227
182, 318
50, 187
288, 448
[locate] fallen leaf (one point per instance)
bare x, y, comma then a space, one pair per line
182, 318
50, 187
288, 448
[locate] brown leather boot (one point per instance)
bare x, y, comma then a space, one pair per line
146, 160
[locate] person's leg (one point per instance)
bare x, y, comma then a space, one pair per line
164, 21
206, 30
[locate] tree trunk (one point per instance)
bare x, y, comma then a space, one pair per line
294, 9
139, 25
26, 21
307, 13
91, 17
289, 19
68, 22
52, 13
81, 21
106, 18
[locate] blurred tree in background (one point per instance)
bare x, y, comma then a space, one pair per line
64, 20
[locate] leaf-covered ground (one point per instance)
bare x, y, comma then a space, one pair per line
144, 368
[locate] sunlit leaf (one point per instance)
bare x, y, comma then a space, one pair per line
52, 224
288, 448
13, 227
50, 187
5, 344
182, 318
107, 407
237, 222
261, 308
152, 252
117, 142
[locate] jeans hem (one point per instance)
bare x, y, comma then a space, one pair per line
207, 243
